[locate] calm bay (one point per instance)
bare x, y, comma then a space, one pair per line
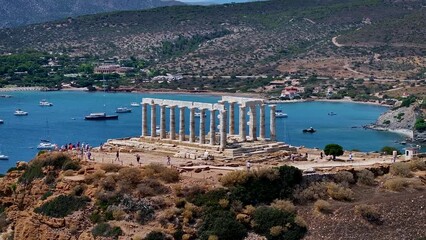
64, 122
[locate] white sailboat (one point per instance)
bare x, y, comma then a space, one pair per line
45, 144
3, 157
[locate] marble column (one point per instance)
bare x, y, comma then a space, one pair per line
202, 126
231, 118
182, 124
223, 135
212, 127
144, 119
272, 125
153, 120
172, 123
253, 123
162, 121
192, 125
262, 122
242, 123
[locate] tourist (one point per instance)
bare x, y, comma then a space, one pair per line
168, 160
248, 165
117, 156
138, 158
350, 157
89, 154
321, 155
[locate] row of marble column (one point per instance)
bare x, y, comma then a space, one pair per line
172, 132
202, 132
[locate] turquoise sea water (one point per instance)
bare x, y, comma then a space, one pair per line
64, 122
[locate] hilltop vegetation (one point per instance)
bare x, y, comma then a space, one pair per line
12, 13
232, 39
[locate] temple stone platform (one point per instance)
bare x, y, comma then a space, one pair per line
233, 150
222, 141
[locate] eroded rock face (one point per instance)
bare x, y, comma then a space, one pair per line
401, 118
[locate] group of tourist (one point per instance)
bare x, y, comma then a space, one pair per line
83, 149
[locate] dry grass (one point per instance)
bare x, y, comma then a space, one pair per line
95, 177
234, 178
365, 177
284, 205
109, 167
339, 193
417, 165
344, 177
369, 213
322, 206
315, 191
396, 184
155, 170
400, 169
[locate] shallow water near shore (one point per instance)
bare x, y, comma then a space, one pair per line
64, 122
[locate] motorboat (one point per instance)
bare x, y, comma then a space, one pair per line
100, 116
134, 104
123, 110
332, 113
5, 96
309, 130
19, 112
46, 145
3, 157
45, 103
280, 114
1, 121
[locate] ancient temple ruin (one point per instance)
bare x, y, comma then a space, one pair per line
223, 140
242, 103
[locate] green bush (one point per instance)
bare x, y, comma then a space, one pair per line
265, 185
62, 206
334, 150
344, 177
267, 219
71, 165
223, 225
105, 230
420, 125
155, 235
46, 195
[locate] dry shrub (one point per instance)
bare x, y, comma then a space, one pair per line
118, 214
129, 175
224, 203
322, 206
243, 218
234, 178
192, 191
108, 183
299, 221
155, 170
249, 209
369, 213
276, 231
284, 205
365, 177
109, 167
339, 193
315, 191
400, 169
213, 237
268, 173
396, 184
151, 187
68, 173
95, 177
417, 165
344, 177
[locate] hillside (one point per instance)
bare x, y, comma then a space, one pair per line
244, 39
59, 196
12, 13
